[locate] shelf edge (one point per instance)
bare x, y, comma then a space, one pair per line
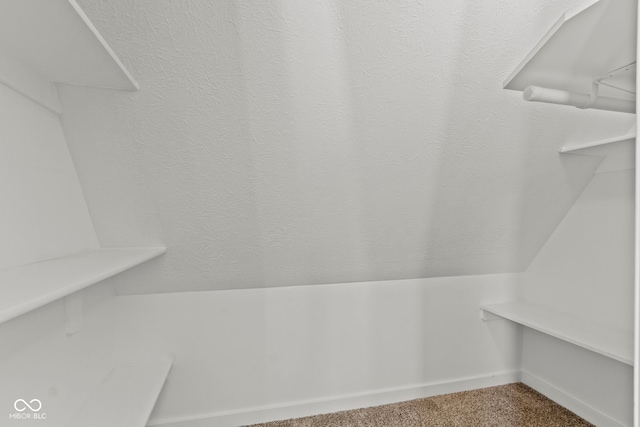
534, 51
569, 149
35, 303
94, 405
105, 45
559, 335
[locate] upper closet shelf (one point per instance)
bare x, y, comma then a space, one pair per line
590, 48
28, 287
56, 39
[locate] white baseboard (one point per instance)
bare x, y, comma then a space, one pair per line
571, 403
338, 403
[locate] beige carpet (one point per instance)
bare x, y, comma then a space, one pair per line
511, 405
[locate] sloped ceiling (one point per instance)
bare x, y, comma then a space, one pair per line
305, 142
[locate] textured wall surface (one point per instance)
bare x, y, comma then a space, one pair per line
289, 143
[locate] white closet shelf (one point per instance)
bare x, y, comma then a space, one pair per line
609, 342
58, 41
28, 287
593, 144
125, 398
594, 40
619, 152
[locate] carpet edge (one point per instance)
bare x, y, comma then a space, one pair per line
573, 404
339, 403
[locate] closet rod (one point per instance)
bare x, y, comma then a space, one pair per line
580, 100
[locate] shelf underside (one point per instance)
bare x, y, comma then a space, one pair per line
57, 40
585, 43
609, 342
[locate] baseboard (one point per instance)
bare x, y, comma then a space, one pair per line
571, 403
338, 403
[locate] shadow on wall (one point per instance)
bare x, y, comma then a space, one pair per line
294, 144
503, 186
307, 184
384, 147
391, 157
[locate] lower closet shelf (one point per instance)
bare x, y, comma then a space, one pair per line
125, 398
618, 152
31, 286
609, 342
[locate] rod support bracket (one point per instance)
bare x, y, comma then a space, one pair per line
593, 96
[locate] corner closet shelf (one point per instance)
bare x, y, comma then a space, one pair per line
609, 342
125, 398
57, 40
584, 44
28, 287
588, 147
619, 152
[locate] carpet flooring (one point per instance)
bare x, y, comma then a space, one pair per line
511, 405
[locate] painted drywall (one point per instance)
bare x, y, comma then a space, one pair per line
39, 361
244, 354
43, 213
586, 267
586, 270
289, 143
24, 79
594, 386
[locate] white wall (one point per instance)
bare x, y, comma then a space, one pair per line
358, 155
289, 143
596, 387
586, 270
586, 267
44, 216
43, 213
39, 361
249, 355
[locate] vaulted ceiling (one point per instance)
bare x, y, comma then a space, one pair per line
306, 142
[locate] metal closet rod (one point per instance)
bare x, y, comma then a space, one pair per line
580, 100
